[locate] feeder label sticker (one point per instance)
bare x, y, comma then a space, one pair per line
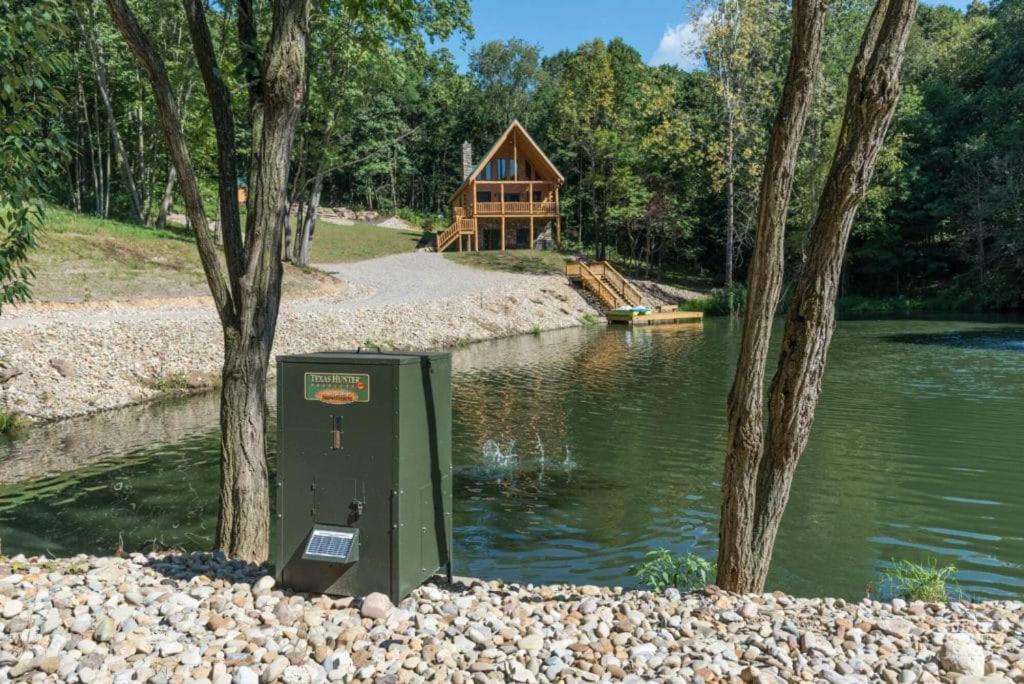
338, 388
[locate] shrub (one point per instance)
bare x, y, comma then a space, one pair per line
916, 582
662, 570
12, 423
721, 301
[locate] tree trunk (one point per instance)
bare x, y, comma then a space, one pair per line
730, 206
756, 489
309, 224
736, 564
99, 66
247, 296
168, 198
243, 526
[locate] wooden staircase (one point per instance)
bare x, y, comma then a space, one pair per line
605, 283
460, 227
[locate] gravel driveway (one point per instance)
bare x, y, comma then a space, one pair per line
416, 277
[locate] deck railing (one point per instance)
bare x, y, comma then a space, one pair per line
628, 290
459, 227
527, 208
592, 282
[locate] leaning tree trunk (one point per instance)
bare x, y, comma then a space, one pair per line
737, 566
872, 95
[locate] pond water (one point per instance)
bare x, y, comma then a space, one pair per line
578, 451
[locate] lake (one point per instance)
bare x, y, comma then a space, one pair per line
578, 451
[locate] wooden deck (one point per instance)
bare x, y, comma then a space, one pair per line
655, 318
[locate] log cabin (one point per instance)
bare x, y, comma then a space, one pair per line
508, 200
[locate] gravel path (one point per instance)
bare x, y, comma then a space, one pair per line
417, 277
69, 360
184, 618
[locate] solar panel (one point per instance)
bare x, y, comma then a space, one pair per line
337, 546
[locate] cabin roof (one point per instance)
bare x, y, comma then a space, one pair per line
519, 128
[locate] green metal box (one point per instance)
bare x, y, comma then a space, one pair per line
364, 458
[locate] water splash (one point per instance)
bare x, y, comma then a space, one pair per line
497, 455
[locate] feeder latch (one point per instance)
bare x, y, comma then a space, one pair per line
336, 432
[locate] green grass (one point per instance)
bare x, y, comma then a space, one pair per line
333, 243
83, 258
914, 582
12, 423
532, 261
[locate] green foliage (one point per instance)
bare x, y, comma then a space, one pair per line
915, 582
32, 150
720, 301
536, 330
174, 383
661, 570
12, 423
589, 319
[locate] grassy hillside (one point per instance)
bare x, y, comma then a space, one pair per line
513, 261
82, 258
334, 244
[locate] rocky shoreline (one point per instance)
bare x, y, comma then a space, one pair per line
67, 361
176, 618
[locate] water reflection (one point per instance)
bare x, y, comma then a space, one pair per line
1008, 338
578, 451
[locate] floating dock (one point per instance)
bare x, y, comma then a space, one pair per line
661, 315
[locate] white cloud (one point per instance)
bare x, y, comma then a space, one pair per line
679, 47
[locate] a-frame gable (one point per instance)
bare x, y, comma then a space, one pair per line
518, 133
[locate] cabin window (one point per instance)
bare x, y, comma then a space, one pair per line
501, 169
487, 171
536, 195
529, 170
483, 195
511, 196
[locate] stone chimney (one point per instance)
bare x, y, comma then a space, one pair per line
467, 160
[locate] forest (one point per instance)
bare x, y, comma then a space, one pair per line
662, 165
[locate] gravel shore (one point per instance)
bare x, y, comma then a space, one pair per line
72, 360
177, 618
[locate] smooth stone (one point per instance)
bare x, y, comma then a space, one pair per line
376, 606
244, 675
960, 654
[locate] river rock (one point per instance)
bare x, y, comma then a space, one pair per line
960, 654
12, 608
244, 675
65, 368
376, 606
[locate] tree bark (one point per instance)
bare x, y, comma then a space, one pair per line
248, 296
737, 566
872, 95
309, 222
730, 207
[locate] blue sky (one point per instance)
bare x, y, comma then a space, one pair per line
658, 29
